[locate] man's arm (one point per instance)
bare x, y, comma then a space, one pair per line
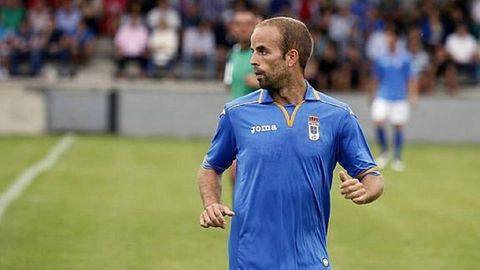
210, 187
413, 85
363, 191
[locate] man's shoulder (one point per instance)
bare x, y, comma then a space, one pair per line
251, 98
334, 104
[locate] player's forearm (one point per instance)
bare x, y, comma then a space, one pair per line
209, 185
374, 186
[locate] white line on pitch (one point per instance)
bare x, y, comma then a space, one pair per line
29, 174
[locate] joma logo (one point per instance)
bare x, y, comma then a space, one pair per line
263, 128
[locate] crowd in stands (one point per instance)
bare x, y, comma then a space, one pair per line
191, 38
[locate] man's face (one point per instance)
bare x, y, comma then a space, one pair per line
268, 61
242, 26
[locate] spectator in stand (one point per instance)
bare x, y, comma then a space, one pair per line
339, 27
443, 66
192, 16
112, 12
371, 22
475, 13
91, 13
163, 47
5, 49
165, 12
68, 17
134, 8
211, 10
199, 47
328, 75
82, 43
57, 48
277, 7
453, 16
131, 43
420, 62
12, 14
39, 16
352, 74
431, 28
27, 46
462, 48
305, 10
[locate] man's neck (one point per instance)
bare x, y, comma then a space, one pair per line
294, 93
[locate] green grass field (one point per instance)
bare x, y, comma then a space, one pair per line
117, 203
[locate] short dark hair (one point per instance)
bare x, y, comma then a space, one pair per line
295, 35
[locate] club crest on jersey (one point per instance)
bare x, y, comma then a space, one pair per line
313, 128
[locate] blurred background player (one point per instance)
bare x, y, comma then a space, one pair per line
396, 85
239, 76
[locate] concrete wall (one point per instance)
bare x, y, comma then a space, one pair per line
187, 114
193, 112
433, 119
85, 111
22, 111
168, 113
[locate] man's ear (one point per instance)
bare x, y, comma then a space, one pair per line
292, 57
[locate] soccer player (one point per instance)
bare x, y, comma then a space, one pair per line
239, 76
396, 85
287, 139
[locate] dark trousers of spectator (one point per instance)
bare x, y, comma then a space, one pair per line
208, 63
469, 70
123, 61
63, 58
34, 56
153, 68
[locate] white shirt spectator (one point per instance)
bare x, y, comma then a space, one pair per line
163, 13
341, 25
461, 47
163, 44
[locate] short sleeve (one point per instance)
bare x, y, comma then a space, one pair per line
353, 152
222, 151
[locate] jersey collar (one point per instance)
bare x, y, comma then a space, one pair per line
310, 95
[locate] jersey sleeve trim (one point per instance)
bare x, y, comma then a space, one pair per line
375, 170
206, 165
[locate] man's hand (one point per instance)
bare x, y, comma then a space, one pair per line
353, 189
213, 216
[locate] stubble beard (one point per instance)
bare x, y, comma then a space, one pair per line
276, 81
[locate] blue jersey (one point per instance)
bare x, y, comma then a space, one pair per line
393, 72
285, 161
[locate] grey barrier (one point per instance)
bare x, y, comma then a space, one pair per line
172, 113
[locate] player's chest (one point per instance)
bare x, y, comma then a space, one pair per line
274, 131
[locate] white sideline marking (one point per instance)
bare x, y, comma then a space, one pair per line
29, 174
